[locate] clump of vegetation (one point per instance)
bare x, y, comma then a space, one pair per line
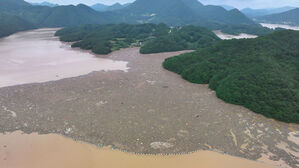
261, 74
154, 38
180, 38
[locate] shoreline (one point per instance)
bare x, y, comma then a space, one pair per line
130, 111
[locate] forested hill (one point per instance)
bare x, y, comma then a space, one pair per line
181, 12
44, 16
170, 12
261, 74
10, 24
290, 17
103, 39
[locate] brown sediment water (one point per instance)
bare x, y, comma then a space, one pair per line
38, 56
18, 150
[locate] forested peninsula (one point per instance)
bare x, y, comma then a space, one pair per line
261, 74
152, 38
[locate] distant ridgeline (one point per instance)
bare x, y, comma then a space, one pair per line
261, 74
103, 39
290, 17
170, 12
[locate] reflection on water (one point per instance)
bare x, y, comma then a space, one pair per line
224, 36
274, 26
38, 56
19, 150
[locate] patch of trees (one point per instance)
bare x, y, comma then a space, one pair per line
261, 74
153, 38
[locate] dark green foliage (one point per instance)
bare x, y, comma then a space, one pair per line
260, 74
180, 38
180, 12
102, 39
10, 24
59, 16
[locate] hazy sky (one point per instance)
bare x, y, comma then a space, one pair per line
236, 3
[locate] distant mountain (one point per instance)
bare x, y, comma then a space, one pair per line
115, 6
171, 12
262, 12
227, 7
104, 8
45, 4
10, 24
44, 16
99, 7
290, 17
179, 12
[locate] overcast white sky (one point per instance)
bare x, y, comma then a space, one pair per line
236, 3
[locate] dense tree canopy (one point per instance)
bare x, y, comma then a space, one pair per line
102, 39
180, 38
10, 24
261, 74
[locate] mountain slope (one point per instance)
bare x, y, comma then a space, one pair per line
262, 12
71, 16
99, 7
290, 17
10, 24
172, 12
44, 16
182, 12
45, 4
261, 74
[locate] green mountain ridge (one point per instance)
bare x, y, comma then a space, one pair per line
252, 13
10, 24
170, 12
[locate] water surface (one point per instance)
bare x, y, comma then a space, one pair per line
38, 56
19, 150
225, 36
274, 26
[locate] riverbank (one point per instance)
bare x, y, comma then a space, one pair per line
146, 110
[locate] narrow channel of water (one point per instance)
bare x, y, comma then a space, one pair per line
274, 26
38, 56
225, 36
18, 150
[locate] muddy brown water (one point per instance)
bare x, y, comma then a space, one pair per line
146, 110
37, 56
19, 150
